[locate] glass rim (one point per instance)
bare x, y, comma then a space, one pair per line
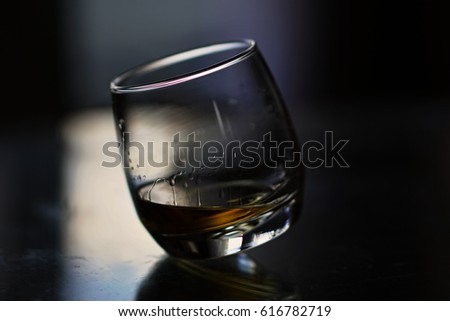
248, 45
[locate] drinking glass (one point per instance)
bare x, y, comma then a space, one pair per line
210, 156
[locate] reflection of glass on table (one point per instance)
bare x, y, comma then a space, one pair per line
236, 277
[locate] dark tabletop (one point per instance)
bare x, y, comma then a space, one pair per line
379, 230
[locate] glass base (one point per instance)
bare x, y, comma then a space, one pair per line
232, 239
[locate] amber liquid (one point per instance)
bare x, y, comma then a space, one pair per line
191, 211
169, 219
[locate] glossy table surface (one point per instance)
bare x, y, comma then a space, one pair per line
378, 230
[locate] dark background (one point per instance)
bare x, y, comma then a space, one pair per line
374, 72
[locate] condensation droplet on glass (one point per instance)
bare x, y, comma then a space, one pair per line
121, 122
172, 179
191, 175
199, 198
149, 193
172, 182
132, 168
